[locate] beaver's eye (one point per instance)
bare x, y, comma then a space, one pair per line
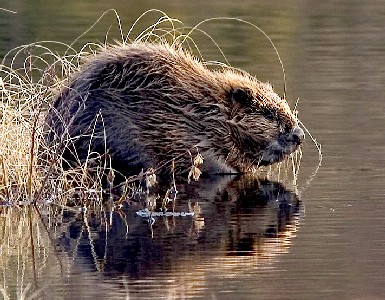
270, 115
241, 96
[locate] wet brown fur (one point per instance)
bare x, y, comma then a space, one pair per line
157, 101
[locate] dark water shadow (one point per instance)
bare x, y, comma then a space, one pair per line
234, 217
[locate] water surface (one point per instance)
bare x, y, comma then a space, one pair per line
250, 239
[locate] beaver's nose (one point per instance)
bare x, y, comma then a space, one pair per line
297, 135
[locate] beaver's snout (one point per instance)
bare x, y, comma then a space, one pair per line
286, 143
296, 136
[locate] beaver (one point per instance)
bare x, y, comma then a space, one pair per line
147, 103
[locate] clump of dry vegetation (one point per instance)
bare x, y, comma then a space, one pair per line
29, 78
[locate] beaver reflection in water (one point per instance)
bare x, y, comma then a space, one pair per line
157, 101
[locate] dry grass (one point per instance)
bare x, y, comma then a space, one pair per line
28, 82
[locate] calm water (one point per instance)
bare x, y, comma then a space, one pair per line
251, 239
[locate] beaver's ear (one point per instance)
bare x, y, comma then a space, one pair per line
241, 96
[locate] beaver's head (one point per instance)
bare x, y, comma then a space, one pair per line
261, 128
